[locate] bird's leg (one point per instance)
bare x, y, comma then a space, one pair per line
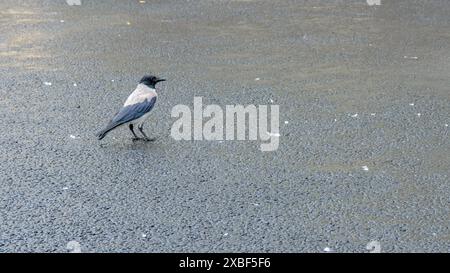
141, 129
132, 131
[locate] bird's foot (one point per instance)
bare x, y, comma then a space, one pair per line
146, 139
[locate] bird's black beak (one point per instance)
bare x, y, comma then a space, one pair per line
161, 80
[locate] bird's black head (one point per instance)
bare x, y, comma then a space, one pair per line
151, 81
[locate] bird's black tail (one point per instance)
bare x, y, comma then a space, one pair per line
100, 135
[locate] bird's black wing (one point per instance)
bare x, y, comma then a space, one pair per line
134, 111
127, 114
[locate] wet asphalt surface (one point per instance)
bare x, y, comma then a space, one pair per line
359, 86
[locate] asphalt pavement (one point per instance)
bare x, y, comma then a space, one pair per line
364, 97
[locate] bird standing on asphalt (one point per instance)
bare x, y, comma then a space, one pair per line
136, 109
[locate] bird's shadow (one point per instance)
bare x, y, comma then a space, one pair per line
129, 144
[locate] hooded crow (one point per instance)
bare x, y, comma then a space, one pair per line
136, 109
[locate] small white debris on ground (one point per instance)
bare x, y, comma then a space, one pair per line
286, 122
256, 204
47, 83
62, 21
112, 80
257, 79
335, 119
65, 188
327, 249
411, 58
274, 134
446, 125
75, 84
225, 234
271, 100
411, 104
365, 168
128, 23
73, 247
372, 114
354, 116
374, 247
373, 2
73, 137
142, 1
73, 2
419, 114
144, 235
